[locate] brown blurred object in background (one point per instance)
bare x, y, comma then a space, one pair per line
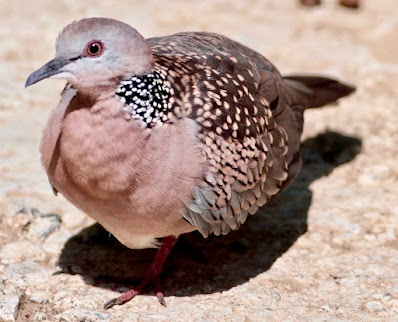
354, 4
310, 3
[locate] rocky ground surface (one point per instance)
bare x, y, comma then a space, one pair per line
325, 250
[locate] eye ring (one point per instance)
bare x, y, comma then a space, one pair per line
94, 48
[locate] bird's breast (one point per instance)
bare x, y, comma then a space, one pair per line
100, 153
133, 180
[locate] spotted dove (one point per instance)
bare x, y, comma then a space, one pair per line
154, 138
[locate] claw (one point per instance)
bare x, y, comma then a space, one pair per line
158, 291
152, 276
125, 297
111, 303
161, 299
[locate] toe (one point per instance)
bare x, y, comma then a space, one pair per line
111, 303
160, 297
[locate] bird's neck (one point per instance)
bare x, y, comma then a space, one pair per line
145, 97
98, 92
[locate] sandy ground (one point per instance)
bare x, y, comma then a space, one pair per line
325, 250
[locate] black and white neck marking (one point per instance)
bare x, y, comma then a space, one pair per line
145, 97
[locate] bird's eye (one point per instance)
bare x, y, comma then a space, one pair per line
94, 48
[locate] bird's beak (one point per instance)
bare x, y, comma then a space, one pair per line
52, 68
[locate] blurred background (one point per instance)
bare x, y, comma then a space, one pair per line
325, 249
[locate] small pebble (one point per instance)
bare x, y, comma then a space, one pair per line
40, 316
43, 226
325, 307
9, 307
40, 297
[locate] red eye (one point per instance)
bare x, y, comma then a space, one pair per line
94, 48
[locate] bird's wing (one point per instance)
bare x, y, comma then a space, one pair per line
247, 149
232, 93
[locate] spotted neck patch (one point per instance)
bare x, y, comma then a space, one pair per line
145, 97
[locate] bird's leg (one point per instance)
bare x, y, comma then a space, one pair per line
152, 275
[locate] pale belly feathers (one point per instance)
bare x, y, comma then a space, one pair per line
134, 181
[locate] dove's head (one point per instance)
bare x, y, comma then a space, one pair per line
96, 52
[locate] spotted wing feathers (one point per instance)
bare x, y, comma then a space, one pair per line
250, 122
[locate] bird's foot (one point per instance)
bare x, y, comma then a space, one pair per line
130, 294
152, 276
125, 297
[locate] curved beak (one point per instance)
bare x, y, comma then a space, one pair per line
53, 67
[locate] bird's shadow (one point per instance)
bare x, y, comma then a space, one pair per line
215, 264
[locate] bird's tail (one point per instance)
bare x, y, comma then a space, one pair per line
317, 90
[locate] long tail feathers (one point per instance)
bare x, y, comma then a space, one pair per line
317, 90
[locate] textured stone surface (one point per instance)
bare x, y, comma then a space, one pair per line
40, 297
43, 225
25, 274
21, 250
9, 307
327, 249
82, 315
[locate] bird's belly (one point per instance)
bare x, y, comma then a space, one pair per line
135, 215
134, 220
135, 183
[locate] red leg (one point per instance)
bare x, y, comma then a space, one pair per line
152, 275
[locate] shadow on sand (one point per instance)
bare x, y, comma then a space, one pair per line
199, 265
